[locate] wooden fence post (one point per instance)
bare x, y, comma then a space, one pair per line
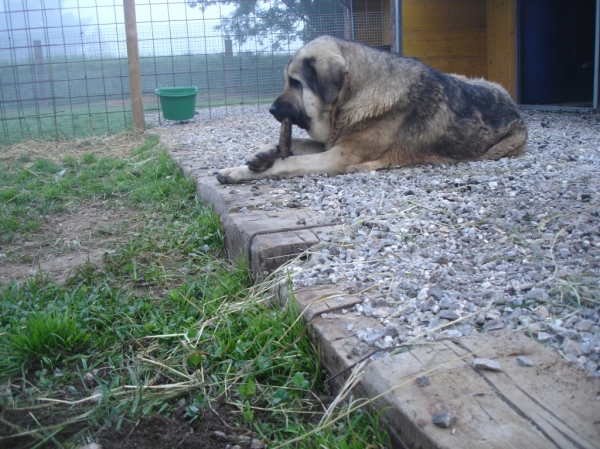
133, 62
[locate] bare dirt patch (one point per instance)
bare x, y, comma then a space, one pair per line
215, 429
84, 234
66, 242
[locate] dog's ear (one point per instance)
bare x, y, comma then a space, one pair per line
325, 75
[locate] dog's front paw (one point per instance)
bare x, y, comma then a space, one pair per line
263, 160
224, 178
228, 175
235, 175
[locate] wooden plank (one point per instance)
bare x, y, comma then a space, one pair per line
268, 239
466, 43
269, 251
440, 32
501, 44
552, 405
317, 300
448, 14
473, 67
483, 420
561, 400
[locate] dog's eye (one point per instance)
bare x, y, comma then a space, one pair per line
295, 84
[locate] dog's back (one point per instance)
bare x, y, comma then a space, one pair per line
475, 119
436, 117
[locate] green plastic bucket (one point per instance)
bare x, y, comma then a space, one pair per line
177, 103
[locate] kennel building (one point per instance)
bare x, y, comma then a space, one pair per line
544, 52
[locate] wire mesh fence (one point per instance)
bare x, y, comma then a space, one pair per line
64, 67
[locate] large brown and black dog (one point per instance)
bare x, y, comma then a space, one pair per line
365, 110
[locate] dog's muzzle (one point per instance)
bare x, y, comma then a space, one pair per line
282, 109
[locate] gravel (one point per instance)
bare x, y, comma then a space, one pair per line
447, 251
524, 361
487, 364
443, 420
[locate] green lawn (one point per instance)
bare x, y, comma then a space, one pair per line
164, 317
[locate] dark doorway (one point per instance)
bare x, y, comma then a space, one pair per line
557, 46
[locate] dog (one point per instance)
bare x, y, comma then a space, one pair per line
365, 110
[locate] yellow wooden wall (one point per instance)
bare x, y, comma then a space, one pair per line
449, 35
501, 48
470, 37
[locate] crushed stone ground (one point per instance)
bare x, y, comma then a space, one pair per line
452, 249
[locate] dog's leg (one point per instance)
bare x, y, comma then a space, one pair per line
368, 166
302, 147
333, 162
265, 158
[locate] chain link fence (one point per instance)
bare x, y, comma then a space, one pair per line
64, 67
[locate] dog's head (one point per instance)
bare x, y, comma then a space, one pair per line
314, 80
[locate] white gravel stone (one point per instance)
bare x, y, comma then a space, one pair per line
443, 420
543, 337
487, 364
524, 361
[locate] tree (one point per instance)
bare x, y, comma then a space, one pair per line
277, 22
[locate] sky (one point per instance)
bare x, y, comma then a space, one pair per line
106, 11
164, 26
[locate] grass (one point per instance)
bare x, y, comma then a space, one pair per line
53, 122
46, 336
30, 191
97, 119
164, 317
90, 97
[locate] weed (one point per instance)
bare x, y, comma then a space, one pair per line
89, 159
162, 318
47, 338
576, 291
